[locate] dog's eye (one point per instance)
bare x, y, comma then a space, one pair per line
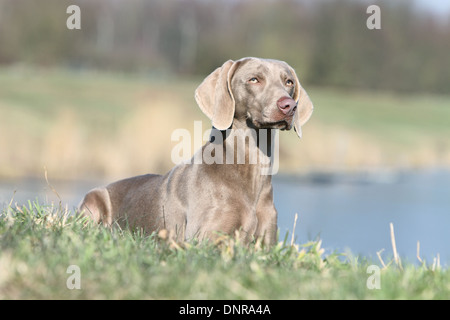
253, 80
289, 82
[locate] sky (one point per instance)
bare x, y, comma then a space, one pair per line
441, 7
437, 6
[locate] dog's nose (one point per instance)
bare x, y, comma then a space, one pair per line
286, 105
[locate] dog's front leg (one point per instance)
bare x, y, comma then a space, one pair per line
267, 217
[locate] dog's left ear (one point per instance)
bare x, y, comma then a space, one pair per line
214, 96
304, 105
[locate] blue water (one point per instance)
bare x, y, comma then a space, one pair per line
355, 213
346, 211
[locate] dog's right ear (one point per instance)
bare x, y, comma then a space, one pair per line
304, 105
214, 96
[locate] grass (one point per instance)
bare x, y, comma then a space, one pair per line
39, 242
111, 125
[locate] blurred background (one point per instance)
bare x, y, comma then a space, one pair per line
94, 105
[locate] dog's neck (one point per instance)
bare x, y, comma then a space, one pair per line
244, 145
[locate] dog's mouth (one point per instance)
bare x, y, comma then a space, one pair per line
271, 119
285, 124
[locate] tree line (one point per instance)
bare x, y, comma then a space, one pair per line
327, 42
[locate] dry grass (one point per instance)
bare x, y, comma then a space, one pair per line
112, 126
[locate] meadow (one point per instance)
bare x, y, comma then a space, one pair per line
110, 125
40, 244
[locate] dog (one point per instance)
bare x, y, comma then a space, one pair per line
200, 199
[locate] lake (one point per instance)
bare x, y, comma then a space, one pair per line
354, 211
347, 211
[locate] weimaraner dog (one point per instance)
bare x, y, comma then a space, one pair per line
203, 200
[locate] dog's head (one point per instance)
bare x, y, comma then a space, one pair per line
259, 92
